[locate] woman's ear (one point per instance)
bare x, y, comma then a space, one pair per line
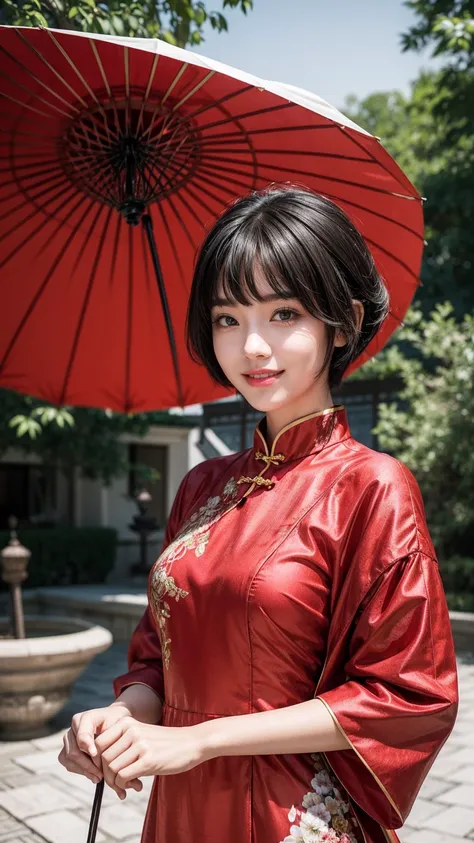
340, 339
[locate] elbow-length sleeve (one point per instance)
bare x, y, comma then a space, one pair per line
145, 664
398, 704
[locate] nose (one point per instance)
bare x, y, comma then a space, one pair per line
256, 346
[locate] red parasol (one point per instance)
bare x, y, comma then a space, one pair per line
108, 143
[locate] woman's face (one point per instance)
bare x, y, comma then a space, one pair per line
271, 351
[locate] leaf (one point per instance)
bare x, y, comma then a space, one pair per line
16, 420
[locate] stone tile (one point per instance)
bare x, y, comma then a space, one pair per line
425, 835
121, 821
454, 821
406, 833
461, 795
38, 761
11, 748
50, 742
432, 787
463, 775
72, 781
19, 779
26, 836
8, 825
446, 764
421, 811
34, 799
62, 827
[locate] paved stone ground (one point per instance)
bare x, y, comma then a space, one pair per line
40, 801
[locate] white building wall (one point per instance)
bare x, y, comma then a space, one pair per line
110, 506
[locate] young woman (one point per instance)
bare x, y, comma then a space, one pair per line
296, 652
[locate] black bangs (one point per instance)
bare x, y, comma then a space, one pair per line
236, 275
306, 248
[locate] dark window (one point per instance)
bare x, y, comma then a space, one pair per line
28, 492
149, 470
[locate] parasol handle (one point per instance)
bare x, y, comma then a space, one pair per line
94, 820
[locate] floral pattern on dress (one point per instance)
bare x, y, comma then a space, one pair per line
325, 815
193, 535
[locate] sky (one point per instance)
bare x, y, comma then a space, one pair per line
331, 47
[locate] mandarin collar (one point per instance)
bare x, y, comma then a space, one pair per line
304, 436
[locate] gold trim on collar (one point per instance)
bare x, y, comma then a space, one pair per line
328, 411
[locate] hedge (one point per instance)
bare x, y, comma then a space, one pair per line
67, 555
457, 574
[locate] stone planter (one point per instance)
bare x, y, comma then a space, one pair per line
462, 624
37, 672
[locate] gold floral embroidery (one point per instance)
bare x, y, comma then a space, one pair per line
193, 535
325, 813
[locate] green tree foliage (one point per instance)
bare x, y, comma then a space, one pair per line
445, 25
70, 437
431, 135
430, 426
440, 162
179, 22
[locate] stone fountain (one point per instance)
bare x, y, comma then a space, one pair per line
40, 657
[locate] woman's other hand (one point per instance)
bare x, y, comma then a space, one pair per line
130, 749
79, 753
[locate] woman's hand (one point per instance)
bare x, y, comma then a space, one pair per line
130, 749
79, 753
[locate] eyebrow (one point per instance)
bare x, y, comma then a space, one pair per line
222, 302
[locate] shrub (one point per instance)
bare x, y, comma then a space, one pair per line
67, 555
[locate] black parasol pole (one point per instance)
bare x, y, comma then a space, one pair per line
99, 790
148, 226
133, 209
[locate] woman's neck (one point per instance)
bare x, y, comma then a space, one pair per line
276, 420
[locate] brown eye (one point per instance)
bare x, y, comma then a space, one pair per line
224, 321
285, 314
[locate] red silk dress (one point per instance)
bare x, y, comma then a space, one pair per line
302, 571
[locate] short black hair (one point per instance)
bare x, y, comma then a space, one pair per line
308, 249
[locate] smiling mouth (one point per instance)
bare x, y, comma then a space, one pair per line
262, 378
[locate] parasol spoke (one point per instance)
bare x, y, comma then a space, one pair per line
115, 249
392, 256
43, 286
39, 81
23, 104
199, 200
239, 117
85, 304
173, 248
217, 103
189, 208
245, 185
51, 68
95, 50
194, 90
147, 91
21, 205
331, 178
381, 164
181, 222
165, 96
18, 224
